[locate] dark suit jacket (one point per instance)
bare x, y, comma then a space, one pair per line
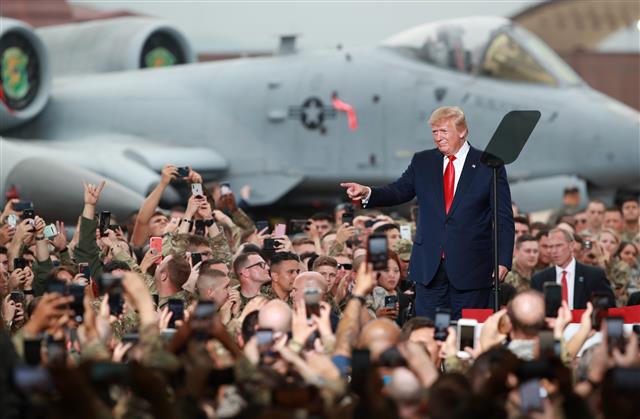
588, 280
465, 234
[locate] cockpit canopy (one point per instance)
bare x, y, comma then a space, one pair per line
486, 46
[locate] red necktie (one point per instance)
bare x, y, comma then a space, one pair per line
565, 287
449, 184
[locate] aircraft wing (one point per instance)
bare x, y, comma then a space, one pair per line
49, 172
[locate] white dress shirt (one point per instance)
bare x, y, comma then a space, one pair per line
458, 163
571, 277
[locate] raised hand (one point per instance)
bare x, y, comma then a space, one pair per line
365, 280
169, 172
92, 193
355, 190
59, 241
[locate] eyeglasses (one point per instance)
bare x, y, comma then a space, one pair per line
345, 266
261, 264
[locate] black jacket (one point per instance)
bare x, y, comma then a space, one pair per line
588, 280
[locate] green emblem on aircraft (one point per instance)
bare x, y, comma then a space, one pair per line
15, 79
159, 57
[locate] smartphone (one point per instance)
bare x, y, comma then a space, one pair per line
552, 299
106, 281
84, 269
22, 205
405, 231
297, 226
442, 321
133, 338
615, 333
588, 244
17, 297
196, 189
377, 253
600, 303
19, 263
390, 301
116, 300
28, 214
312, 297
55, 286
466, 329
264, 339
32, 351
280, 230
156, 299
204, 310
261, 225
12, 220
107, 372
530, 400
347, 217
271, 244
77, 292
50, 231
225, 189
56, 351
176, 306
104, 221
196, 258
155, 244
30, 379
202, 317
183, 171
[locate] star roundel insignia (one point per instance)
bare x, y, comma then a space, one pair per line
312, 113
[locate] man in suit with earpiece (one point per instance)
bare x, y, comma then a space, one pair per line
578, 281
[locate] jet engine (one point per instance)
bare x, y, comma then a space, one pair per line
119, 44
25, 75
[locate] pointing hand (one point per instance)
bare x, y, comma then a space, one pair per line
355, 190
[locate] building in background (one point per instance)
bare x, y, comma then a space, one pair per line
600, 40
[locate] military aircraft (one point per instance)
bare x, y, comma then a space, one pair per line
79, 101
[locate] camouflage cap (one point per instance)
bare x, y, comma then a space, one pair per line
403, 249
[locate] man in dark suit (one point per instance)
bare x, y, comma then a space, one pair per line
578, 281
451, 260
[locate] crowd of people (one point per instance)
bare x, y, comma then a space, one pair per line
202, 311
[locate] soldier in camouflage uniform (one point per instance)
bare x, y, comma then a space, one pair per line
253, 273
524, 261
619, 274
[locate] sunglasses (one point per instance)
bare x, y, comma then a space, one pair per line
345, 266
580, 221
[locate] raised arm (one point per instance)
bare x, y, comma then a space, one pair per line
141, 229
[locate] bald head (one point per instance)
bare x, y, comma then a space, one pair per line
526, 312
404, 385
275, 315
308, 280
378, 336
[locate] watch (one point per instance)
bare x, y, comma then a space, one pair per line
360, 298
39, 238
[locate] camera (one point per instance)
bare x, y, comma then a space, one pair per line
183, 171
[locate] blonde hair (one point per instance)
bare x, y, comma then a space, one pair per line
446, 112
